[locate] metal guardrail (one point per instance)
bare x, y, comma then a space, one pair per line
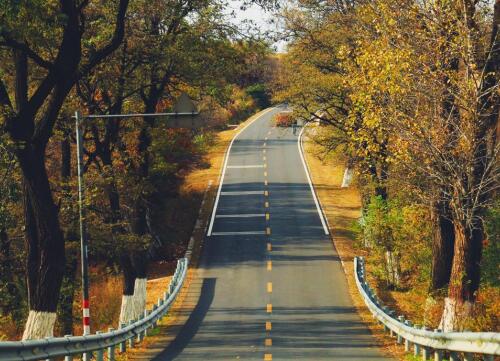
99, 343
426, 342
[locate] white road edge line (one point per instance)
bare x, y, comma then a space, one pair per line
214, 210
238, 233
249, 215
246, 166
318, 207
241, 193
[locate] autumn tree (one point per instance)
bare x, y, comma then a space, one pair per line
30, 106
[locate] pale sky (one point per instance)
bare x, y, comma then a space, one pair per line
259, 16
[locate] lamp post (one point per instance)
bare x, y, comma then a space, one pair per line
182, 119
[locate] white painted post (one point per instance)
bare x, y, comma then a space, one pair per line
111, 349
100, 353
454, 356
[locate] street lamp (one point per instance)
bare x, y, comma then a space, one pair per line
185, 116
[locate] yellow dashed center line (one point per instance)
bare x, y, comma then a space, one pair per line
264, 158
269, 287
269, 326
265, 173
268, 230
267, 204
269, 308
265, 183
269, 247
269, 265
269, 342
268, 357
264, 151
266, 193
267, 216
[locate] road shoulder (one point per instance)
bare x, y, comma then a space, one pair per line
342, 207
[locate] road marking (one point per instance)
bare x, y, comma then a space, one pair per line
267, 216
269, 308
237, 233
266, 193
268, 357
266, 138
265, 183
249, 215
269, 287
266, 204
268, 342
269, 265
264, 158
268, 230
269, 326
264, 145
318, 208
269, 247
216, 203
265, 173
265, 165
264, 151
242, 193
269, 132
245, 166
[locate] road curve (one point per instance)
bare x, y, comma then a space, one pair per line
272, 283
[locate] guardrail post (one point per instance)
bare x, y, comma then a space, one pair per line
399, 339
438, 354
454, 356
165, 295
131, 339
155, 323
111, 349
468, 356
100, 353
68, 357
391, 314
489, 358
407, 342
123, 345
426, 351
140, 336
146, 314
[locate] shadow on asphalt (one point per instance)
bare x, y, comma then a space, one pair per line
190, 328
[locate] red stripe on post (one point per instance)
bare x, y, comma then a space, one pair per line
85, 303
86, 321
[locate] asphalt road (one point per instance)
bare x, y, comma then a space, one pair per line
272, 283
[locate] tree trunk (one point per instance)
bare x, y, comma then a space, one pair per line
44, 243
465, 276
129, 276
443, 243
140, 262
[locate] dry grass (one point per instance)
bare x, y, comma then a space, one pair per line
342, 208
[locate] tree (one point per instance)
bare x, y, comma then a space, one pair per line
30, 107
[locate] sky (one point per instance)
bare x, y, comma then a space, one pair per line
259, 16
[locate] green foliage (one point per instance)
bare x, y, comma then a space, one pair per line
260, 95
401, 229
491, 252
